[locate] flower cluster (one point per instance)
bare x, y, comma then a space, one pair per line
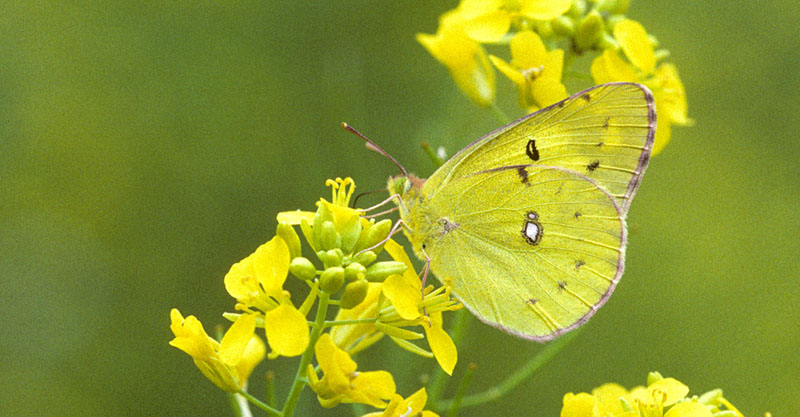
545, 38
665, 397
374, 298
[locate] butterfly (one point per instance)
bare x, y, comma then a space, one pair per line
527, 223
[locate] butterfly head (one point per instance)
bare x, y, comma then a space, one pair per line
404, 185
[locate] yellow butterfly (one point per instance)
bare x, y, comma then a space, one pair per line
527, 224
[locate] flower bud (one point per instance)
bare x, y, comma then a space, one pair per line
302, 268
366, 258
354, 271
374, 235
333, 257
577, 9
331, 279
328, 236
589, 30
379, 271
563, 26
289, 235
354, 293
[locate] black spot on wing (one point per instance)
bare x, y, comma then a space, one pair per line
531, 151
593, 166
579, 263
562, 285
586, 97
523, 174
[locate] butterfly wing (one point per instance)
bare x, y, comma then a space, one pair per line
605, 133
536, 262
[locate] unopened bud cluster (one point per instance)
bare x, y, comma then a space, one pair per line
347, 245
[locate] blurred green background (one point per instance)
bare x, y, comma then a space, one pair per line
147, 146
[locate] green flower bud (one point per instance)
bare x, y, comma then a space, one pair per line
331, 279
354, 293
350, 234
321, 216
354, 271
563, 26
589, 30
334, 257
544, 28
379, 271
302, 268
289, 235
366, 258
328, 236
374, 235
578, 9
662, 54
606, 41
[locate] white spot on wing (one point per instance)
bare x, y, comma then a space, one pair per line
532, 231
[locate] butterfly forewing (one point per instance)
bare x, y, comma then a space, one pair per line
536, 262
604, 133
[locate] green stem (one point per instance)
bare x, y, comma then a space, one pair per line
523, 373
237, 409
457, 331
432, 154
258, 403
331, 323
271, 390
316, 332
462, 388
499, 114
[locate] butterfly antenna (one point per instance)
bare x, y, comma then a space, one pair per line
359, 195
374, 147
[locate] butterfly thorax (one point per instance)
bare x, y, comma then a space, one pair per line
421, 224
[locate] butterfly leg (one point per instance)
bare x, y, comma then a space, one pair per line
425, 270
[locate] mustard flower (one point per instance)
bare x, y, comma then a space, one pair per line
411, 308
227, 364
342, 383
354, 338
663, 79
257, 283
535, 71
463, 56
665, 397
402, 407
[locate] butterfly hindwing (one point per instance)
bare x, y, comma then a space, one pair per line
604, 133
538, 260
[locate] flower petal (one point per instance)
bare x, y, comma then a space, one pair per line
580, 405
441, 345
527, 50
610, 67
295, 217
632, 38
287, 330
544, 9
271, 265
237, 338
674, 390
489, 27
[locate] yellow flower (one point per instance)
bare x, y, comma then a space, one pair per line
457, 42
665, 397
663, 80
411, 406
535, 71
464, 57
227, 364
354, 338
341, 383
257, 283
411, 309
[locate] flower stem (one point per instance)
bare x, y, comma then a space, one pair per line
499, 114
258, 403
299, 380
331, 323
523, 373
462, 388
